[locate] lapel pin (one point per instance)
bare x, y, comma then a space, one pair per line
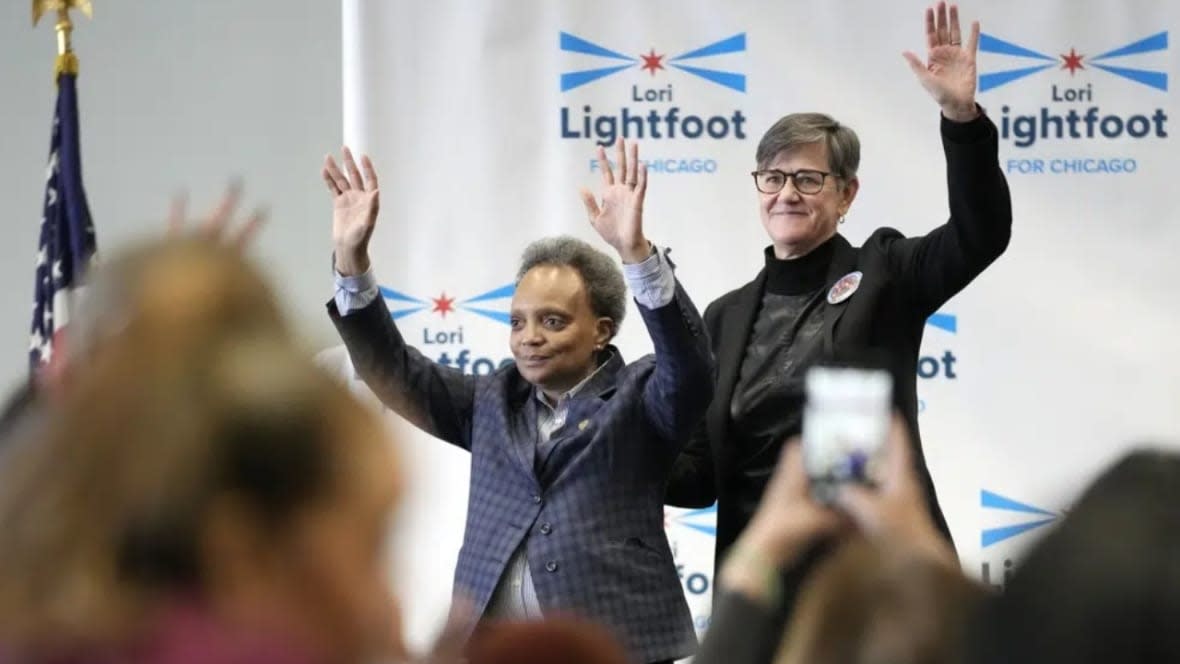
844, 287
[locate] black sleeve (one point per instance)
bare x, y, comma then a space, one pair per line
939, 264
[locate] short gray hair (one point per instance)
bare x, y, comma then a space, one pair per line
600, 273
796, 129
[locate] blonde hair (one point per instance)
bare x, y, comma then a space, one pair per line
880, 603
102, 512
166, 295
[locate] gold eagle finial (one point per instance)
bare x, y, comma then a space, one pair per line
42, 7
67, 62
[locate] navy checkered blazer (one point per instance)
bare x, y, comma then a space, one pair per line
590, 511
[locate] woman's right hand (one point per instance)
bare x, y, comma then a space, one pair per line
897, 509
788, 519
355, 202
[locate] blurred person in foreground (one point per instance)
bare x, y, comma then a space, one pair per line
891, 593
1104, 585
570, 446
552, 641
187, 286
201, 493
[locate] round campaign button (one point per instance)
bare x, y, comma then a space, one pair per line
844, 287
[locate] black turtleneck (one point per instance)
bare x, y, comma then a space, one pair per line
798, 275
767, 403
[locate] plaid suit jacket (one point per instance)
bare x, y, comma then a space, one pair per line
590, 513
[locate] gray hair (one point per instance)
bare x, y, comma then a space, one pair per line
796, 129
600, 273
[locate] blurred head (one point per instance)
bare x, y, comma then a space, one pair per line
224, 472
172, 294
1104, 586
880, 603
569, 303
294, 529
806, 180
554, 641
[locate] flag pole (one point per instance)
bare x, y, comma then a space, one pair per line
67, 62
67, 241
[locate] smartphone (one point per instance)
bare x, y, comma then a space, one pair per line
846, 420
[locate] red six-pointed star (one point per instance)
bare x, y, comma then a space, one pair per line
651, 61
443, 304
1073, 61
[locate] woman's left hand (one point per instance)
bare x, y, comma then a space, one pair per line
788, 519
949, 74
619, 219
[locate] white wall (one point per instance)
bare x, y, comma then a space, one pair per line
176, 95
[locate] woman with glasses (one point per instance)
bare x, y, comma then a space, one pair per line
818, 297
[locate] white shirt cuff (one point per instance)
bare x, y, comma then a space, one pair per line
652, 282
353, 293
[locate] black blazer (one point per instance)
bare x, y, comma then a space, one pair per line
904, 281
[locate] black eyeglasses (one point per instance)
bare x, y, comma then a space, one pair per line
806, 181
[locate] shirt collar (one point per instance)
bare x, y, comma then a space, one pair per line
569, 394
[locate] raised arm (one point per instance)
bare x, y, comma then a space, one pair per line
944, 261
676, 395
439, 400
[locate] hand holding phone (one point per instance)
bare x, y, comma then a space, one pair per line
846, 422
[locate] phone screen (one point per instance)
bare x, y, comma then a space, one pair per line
845, 424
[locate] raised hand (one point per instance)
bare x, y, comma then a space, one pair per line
897, 509
216, 226
788, 519
355, 202
788, 522
949, 73
619, 217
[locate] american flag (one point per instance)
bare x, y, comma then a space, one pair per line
67, 234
